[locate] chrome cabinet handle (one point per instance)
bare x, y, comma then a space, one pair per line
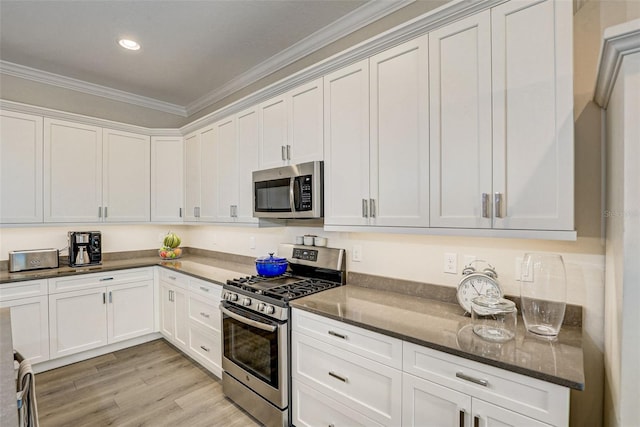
99, 211
498, 205
483, 383
486, 206
282, 152
204, 289
110, 297
335, 334
179, 212
172, 277
461, 422
205, 315
476, 421
104, 279
105, 211
338, 377
204, 348
171, 296
365, 208
288, 152
373, 207
104, 298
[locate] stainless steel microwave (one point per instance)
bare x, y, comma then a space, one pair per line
289, 192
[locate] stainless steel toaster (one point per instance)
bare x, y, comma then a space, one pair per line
32, 259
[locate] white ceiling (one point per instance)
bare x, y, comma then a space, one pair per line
193, 52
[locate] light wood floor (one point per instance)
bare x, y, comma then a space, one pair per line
152, 384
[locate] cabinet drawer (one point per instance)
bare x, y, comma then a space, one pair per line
108, 278
15, 290
205, 345
174, 278
312, 408
535, 398
369, 387
204, 312
207, 289
372, 345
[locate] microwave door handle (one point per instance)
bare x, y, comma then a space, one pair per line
250, 322
292, 196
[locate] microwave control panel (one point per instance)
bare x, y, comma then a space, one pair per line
305, 193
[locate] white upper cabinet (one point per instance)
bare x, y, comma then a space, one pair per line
376, 140
200, 177
273, 133
346, 145
305, 120
167, 179
460, 122
226, 168
399, 155
532, 51
126, 176
248, 143
21, 150
72, 172
291, 127
502, 119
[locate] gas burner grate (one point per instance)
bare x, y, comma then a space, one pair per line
299, 289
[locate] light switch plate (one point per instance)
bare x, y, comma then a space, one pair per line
451, 263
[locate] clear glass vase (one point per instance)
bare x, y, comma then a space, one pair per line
543, 293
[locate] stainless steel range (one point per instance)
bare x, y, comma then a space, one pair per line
256, 334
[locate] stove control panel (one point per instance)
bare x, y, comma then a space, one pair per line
305, 254
254, 305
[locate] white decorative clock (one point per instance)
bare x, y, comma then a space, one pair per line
475, 283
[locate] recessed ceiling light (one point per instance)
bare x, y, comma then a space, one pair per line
129, 44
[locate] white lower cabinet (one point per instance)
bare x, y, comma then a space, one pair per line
85, 314
345, 375
29, 317
190, 317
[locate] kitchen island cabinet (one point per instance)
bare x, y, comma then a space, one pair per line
21, 151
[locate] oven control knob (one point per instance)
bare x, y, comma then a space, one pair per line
268, 309
231, 296
261, 306
246, 301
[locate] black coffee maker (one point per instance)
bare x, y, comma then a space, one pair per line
85, 248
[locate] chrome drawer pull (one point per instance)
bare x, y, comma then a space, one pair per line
172, 277
204, 289
338, 377
205, 315
104, 279
335, 334
483, 383
204, 348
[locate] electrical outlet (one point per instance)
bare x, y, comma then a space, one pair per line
527, 277
451, 263
252, 242
356, 255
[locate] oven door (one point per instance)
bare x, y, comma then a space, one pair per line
255, 352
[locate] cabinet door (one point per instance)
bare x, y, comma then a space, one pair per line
182, 317
226, 167
77, 321
30, 327
192, 176
20, 168
72, 172
425, 403
460, 123
248, 161
533, 114
167, 179
167, 311
305, 120
400, 136
487, 415
208, 198
273, 133
130, 310
127, 176
346, 145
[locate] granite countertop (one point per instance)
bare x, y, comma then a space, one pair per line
201, 267
444, 327
8, 402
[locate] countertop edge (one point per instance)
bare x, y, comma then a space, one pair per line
449, 350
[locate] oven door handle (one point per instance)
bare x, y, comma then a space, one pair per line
242, 319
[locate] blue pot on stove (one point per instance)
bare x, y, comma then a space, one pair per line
270, 266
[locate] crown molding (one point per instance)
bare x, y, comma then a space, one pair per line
618, 41
87, 120
449, 12
57, 80
359, 18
